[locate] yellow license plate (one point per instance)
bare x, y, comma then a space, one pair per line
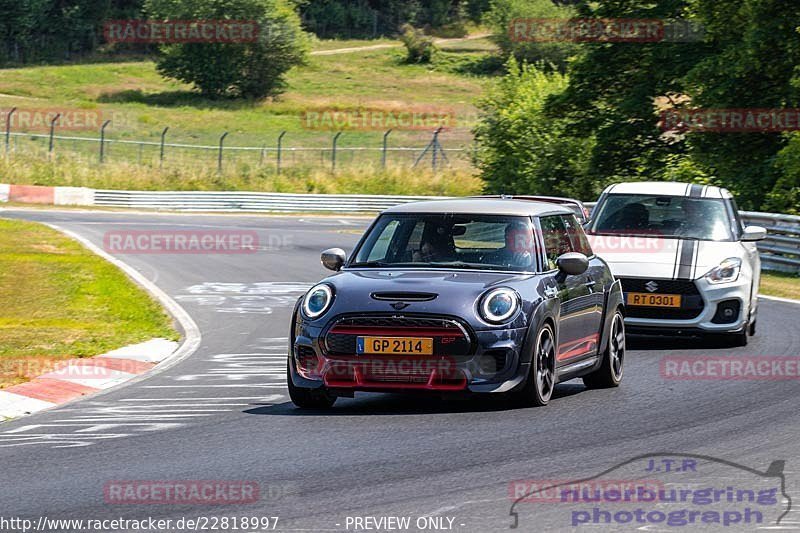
653, 300
394, 345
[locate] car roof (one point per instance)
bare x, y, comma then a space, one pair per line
482, 206
668, 188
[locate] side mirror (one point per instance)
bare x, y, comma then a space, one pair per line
333, 259
754, 233
572, 264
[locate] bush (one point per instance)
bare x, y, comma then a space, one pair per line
524, 151
244, 69
421, 47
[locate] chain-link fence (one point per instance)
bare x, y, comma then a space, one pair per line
223, 155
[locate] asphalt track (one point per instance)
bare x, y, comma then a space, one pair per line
223, 413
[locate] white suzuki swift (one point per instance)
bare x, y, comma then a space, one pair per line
686, 262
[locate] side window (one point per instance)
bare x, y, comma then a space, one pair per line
577, 236
556, 239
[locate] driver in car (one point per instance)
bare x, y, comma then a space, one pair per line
437, 246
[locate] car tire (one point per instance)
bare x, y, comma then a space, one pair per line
541, 380
308, 398
612, 368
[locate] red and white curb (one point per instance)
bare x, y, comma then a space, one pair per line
37, 194
74, 378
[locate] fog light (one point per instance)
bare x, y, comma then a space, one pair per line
727, 312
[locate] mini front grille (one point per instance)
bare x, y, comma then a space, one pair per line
403, 321
449, 337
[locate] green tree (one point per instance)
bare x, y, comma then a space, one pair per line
504, 14
50, 30
748, 58
246, 69
785, 195
521, 149
754, 64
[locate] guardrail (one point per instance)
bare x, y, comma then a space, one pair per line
781, 249
252, 201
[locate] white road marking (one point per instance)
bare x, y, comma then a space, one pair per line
244, 298
271, 397
263, 367
258, 385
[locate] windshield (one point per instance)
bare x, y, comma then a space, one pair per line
704, 219
486, 242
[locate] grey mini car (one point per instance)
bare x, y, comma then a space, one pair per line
461, 296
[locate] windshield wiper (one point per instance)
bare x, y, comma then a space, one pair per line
372, 264
459, 264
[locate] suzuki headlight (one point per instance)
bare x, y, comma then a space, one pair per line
726, 272
317, 301
499, 305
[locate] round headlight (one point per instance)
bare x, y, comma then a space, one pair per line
498, 305
317, 300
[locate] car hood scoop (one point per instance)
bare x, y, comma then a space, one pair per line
400, 296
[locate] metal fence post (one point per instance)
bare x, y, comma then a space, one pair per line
333, 154
103, 140
435, 147
280, 150
52, 131
385, 147
219, 157
161, 152
8, 128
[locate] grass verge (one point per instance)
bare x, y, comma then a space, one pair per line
357, 179
60, 301
780, 284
